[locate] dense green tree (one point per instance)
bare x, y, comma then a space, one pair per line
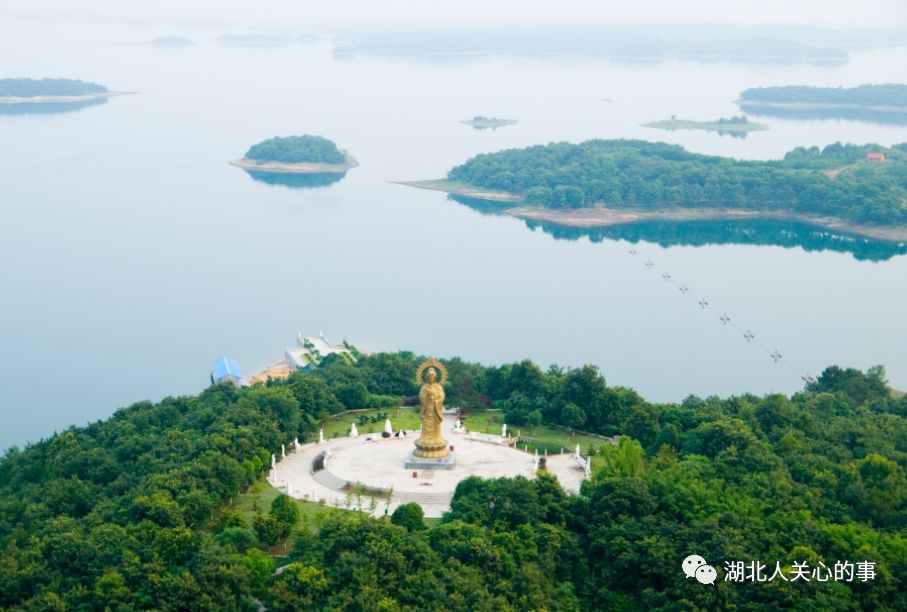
353, 395
285, 510
409, 516
296, 149
260, 565
240, 538
270, 531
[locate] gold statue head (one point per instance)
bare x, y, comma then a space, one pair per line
436, 371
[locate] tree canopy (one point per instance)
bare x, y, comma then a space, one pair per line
836, 180
890, 94
132, 512
296, 149
29, 88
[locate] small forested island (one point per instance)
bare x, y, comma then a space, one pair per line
857, 189
35, 91
734, 125
166, 505
296, 155
888, 97
483, 123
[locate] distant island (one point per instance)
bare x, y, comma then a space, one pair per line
38, 91
296, 155
171, 41
886, 103
483, 123
700, 42
735, 126
849, 188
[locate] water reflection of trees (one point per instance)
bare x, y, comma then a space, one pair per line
296, 180
46, 108
765, 232
868, 116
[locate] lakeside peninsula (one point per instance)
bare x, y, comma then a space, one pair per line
296, 155
480, 122
734, 126
885, 103
187, 503
597, 183
49, 91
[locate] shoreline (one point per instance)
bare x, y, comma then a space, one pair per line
462, 189
602, 216
62, 99
276, 167
708, 126
822, 106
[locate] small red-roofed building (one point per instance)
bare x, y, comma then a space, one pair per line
876, 158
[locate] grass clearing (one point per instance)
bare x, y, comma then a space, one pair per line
338, 426
538, 437
257, 500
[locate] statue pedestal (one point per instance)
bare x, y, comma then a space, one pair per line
414, 462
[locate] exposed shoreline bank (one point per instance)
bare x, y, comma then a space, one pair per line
462, 189
602, 216
296, 168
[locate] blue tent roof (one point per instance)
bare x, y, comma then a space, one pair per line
223, 367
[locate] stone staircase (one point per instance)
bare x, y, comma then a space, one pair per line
327, 479
434, 499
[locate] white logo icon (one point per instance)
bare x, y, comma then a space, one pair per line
691, 564
706, 574
696, 567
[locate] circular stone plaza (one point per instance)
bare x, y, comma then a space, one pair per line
353, 471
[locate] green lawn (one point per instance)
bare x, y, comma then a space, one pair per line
312, 516
541, 437
338, 426
260, 495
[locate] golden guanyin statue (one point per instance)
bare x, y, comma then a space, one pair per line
430, 444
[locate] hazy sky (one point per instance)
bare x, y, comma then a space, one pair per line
299, 14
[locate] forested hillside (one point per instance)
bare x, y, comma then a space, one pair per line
129, 513
27, 88
837, 180
864, 95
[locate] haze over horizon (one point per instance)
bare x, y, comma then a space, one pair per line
884, 14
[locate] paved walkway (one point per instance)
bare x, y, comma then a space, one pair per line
378, 462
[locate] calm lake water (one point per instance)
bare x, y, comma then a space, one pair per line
133, 254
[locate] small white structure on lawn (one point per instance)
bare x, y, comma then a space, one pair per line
354, 433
